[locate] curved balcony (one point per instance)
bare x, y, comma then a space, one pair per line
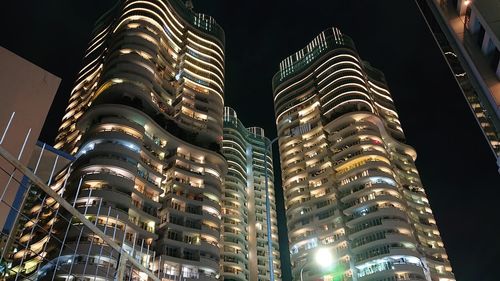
393, 251
82, 270
115, 196
380, 198
116, 149
114, 134
384, 224
197, 261
151, 168
232, 253
235, 276
198, 199
367, 188
389, 270
196, 215
363, 177
112, 161
209, 247
215, 232
114, 179
233, 233
382, 212
357, 152
386, 240
144, 212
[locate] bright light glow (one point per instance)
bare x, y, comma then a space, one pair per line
323, 257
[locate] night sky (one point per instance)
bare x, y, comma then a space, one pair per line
454, 160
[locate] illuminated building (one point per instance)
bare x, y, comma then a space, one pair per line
468, 34
144, 121
349, 180
245, 254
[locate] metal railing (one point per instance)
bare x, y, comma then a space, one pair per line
47, 236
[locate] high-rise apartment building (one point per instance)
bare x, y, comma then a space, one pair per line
468, 34
144, 122
350, 184
245, 252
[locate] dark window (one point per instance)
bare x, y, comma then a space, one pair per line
480, 36
495, 59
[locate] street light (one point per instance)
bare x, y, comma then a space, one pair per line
323, 257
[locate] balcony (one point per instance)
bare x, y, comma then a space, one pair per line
387, 270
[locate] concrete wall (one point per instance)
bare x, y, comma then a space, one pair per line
27, 90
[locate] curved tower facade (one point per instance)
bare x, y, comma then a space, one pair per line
349, 180
245, 255
145, 123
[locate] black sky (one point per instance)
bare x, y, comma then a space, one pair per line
455, 163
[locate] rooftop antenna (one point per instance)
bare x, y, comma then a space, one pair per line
189, 4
